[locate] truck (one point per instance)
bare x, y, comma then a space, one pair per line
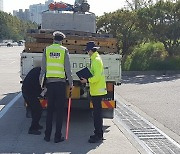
79, 26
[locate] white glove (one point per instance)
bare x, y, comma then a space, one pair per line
43, 92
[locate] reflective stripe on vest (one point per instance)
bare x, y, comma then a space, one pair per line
55, 54
55, 64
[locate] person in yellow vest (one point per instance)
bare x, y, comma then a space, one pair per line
97, 85
56, 67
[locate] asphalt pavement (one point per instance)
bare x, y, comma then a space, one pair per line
14, 125
154, 96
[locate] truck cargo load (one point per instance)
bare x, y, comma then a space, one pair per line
79, 28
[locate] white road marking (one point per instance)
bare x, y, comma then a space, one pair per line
1, 107
7, 107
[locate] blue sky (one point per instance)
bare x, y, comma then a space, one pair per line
96, 6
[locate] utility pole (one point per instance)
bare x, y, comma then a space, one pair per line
136, 4
167, 0
1, 5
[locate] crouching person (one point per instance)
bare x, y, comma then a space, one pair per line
31, 90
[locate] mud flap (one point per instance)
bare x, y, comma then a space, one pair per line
108, 113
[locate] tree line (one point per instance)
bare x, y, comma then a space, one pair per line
154, 23
13, 28
159, 23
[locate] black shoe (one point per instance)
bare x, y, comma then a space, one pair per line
40, 127
95, 135
95, 139
47, 139
57, 140
34, 132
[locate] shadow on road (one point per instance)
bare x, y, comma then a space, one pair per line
15, 138
145, 79
7, 97
81, 127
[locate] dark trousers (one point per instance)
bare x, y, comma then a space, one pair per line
97, 115
56, 94
36, 109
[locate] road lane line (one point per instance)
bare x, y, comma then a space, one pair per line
7, 107
1, 107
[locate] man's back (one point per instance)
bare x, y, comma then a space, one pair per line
31, 83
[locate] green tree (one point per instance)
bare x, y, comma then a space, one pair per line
137, 4
162, 23
13, 28
122, 24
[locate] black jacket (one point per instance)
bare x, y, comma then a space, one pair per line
31, 85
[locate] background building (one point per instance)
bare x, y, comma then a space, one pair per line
23, 15
1, 5
36, 10
34, 13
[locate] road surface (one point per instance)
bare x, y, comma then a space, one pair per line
14, 125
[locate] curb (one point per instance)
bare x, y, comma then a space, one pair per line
134, 73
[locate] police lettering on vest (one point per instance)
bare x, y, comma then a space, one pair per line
55, 55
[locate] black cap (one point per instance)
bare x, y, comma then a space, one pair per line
91, 45
59, 36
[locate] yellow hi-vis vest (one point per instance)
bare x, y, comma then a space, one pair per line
97, 83
55, 54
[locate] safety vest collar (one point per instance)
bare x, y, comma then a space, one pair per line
54, 45
94, 55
